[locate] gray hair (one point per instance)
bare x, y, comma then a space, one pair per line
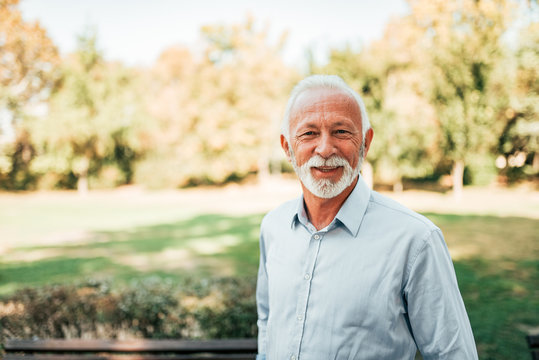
323, 82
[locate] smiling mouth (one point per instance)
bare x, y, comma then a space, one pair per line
327, 168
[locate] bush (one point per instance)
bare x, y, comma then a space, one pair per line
147, 308
233, 317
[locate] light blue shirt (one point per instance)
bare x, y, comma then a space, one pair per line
377, 283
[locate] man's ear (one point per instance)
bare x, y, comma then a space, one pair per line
368, 139
286, 148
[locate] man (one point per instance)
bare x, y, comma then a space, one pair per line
346, 273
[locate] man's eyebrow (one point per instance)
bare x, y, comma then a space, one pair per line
304, 127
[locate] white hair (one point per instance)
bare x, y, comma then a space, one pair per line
323, 82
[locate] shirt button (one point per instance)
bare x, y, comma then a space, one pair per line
293, 357
317, 237
300, 317
307, 277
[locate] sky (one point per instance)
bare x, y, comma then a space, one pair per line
137, 31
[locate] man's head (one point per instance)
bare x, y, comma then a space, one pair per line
326, 134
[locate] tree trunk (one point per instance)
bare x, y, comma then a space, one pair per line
82, 185
82, 181
263, 170
457, 174
397, 186
367, 174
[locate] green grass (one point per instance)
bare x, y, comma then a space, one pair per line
497, 264
205, 245
502, 305
496, 260
26, 219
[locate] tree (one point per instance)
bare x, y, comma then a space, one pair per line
94, 119
389, 74
463, 39
219, 110
28, 71
518, 110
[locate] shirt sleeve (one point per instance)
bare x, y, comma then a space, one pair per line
262, 300
436, 312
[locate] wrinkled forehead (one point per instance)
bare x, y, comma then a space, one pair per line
322, 100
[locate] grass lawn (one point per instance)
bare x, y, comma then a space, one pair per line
206, 245
495, 257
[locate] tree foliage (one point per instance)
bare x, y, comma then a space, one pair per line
463, 40
439, 88
390, 75
28, 70
518, 141
28, 59
217, 110
92, 122
446, 87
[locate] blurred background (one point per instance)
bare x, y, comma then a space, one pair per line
139, 150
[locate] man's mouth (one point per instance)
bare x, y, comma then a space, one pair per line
326, 169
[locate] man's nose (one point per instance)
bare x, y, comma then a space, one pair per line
325, 147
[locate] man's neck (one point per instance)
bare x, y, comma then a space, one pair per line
321, 212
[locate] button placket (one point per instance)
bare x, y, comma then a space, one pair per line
303, 296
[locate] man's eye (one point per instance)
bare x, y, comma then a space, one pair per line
308, 133
342, 131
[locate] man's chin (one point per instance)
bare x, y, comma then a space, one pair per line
326, 181
323, 188
324, 184
327, 189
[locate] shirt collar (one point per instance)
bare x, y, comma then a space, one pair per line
300, 215
351, 212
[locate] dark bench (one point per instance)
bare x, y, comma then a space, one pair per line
533, 345
77, 349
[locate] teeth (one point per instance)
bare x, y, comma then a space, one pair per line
325, 169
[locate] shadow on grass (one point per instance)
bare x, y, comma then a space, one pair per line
207, 245
497, 266
502, 305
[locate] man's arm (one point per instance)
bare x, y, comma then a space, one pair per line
262, 301
437, 315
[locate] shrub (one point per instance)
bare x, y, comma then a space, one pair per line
147, 308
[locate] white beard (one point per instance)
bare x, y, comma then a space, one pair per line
325, 188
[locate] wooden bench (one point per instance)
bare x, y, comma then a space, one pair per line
77, 349
533, 345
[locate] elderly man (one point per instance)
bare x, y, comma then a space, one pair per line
346, 273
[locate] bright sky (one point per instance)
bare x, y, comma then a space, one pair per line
137, 31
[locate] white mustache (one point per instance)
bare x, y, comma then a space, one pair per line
317, 161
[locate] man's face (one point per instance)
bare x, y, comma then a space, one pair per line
325, 141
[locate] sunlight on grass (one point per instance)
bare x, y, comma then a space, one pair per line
206, 244
489, 237
212, 246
